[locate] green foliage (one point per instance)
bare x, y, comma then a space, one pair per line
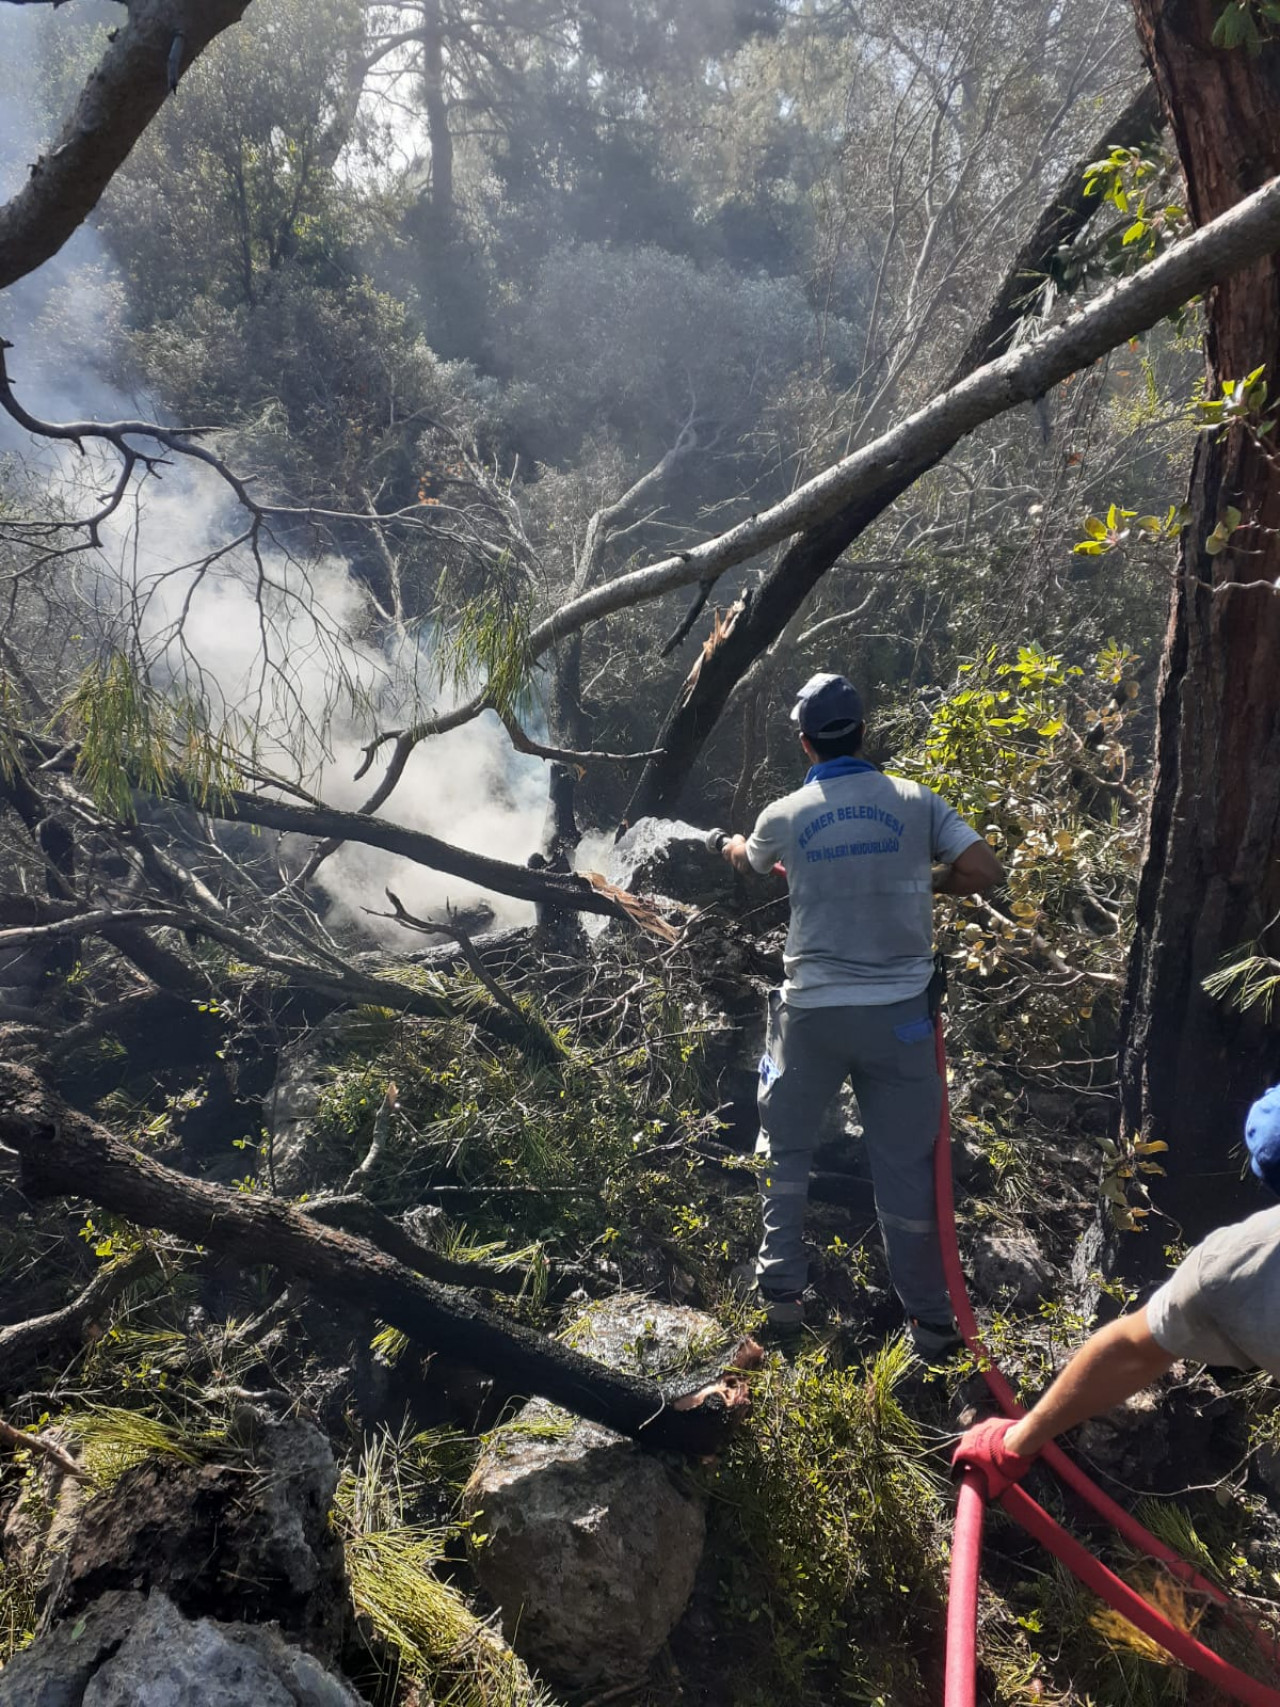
237, 178
490, 644
1004, 718
1250, 24
393, 1566
1247, 981
1243, 402
573, 1140
10, 722
134, 737
1104, 536
1126, 179
827, 1532
17, 1610
112, 1440
1006, 749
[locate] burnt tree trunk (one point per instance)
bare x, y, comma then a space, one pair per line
1211, 878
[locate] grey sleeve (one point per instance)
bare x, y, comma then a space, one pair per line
764, 844
1180, 1317
948, 830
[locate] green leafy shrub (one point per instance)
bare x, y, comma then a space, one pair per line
827, 1529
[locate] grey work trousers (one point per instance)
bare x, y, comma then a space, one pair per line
887, 1053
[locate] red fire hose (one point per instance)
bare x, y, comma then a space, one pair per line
960, 1681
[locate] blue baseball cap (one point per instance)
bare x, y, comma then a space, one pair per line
1262, 1136
828, 706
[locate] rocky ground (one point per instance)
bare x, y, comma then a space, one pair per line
272, 1497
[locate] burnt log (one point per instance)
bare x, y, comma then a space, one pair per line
66, 1153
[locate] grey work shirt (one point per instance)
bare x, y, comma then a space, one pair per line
1222, 1302
858, 846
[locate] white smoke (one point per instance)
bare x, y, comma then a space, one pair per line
318, 678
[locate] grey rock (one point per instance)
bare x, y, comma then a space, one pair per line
1012, 1270
215, 1540
129, 1651
590, 1545
645, 1336
665, 856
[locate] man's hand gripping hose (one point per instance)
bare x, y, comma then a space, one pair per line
988, 1470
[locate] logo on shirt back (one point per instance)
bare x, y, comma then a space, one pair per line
851, 850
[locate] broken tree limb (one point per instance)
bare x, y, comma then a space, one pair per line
564, 889
19, 1439
121, 95
829, 511
1062, 219
1224, 246
65, 1153
784, 589
538, 1040
382, 1122
26, 1342
315, 820
355, 1214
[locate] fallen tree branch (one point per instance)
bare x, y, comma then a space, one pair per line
381, 1137
538, 1039
355, 1214
566, 755
19, 1439
25, 1342
1227, 244
830, 510
65, 1153
563, 889
784, 589
123, 93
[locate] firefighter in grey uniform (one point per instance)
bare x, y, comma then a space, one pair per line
860, 848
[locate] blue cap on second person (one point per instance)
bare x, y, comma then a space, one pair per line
1262, 1135
827, 705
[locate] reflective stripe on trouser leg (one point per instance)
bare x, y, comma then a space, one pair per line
799, 1075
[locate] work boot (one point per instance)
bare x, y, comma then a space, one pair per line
935, 1343
781, 1309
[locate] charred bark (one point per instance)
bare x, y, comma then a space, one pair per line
355, 1214
1210, 883
65, 1153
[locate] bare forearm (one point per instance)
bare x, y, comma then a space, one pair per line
735, 851
974, 872
956, 883
1118, 1361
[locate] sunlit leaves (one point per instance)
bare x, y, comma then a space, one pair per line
1126, 178
1243, 401
1103, 535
